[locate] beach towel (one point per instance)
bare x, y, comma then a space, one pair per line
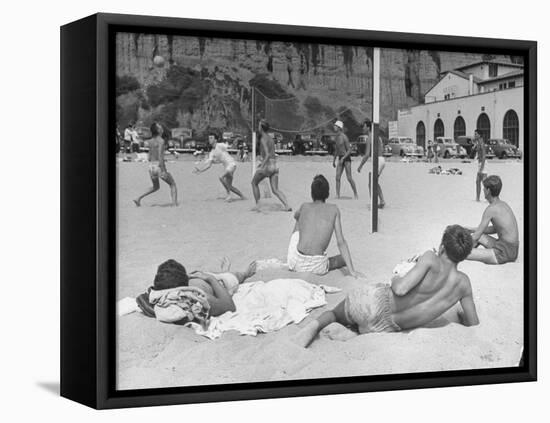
299, 262
266, 307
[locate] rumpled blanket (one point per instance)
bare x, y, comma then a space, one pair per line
266, 307
177, 305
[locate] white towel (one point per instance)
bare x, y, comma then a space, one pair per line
266, 307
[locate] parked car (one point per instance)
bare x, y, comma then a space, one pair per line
502, 148
178, 138
405, 147
359, 146
327, 142
449, 148
303, 143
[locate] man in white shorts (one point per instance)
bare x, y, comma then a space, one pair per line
381, 163
219, 154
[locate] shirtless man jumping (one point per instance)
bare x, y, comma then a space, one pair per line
342, 152
157, 166
315, 224
428, 290
268, 167
498, 218
219, 154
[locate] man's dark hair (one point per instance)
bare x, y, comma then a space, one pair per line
494, 184
264, 124
457, 242
154, 129
170, 274
320, 188
214, 134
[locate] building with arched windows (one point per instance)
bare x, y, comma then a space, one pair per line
487, 96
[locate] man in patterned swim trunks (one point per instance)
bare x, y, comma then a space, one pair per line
428, 290
157, 165
498, 218
219, 154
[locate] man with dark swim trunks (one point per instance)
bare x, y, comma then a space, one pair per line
268, 167
342, 152
498, 218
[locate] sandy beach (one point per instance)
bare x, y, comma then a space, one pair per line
204, 228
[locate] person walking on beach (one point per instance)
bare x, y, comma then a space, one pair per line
428, 290
498, 218
157, 166
315, 224
267, 167
342, 158
219, 154
130, 135
381, 163
481, 152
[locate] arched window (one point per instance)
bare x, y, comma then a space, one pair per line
484, 126
421, 134
459, 127
439, 129
510, 127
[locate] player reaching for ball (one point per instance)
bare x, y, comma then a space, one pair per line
219, 154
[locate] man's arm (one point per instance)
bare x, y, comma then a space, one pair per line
297, 218
468, 317
221, 301
484, 225
401, 285
208, 163
161, 156
343, 245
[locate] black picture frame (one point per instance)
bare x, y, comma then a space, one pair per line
88, 243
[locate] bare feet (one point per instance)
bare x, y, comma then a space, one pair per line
137, 203
225, 264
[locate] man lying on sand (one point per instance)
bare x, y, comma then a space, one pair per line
498, 218
428, 290
315, 224
176, 297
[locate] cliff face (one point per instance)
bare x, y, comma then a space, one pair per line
338, 76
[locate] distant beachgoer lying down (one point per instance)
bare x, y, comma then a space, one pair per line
176, 297
498, 218
315, 224
428, 290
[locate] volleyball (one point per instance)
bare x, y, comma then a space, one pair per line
158, 61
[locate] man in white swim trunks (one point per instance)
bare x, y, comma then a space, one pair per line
219, 154
315, 224
157, 165
481, 153
429, 289
381, 163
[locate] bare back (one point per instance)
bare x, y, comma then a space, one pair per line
441, 288
268, 147
503, 219
156, 149
315, 221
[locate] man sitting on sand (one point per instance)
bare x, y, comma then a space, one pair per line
315, 224
428, 290
177, 297
498, 218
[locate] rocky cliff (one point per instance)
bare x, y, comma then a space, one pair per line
331, 77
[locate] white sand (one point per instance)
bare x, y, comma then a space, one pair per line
204, 228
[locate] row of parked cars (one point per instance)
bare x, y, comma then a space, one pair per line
183, 140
